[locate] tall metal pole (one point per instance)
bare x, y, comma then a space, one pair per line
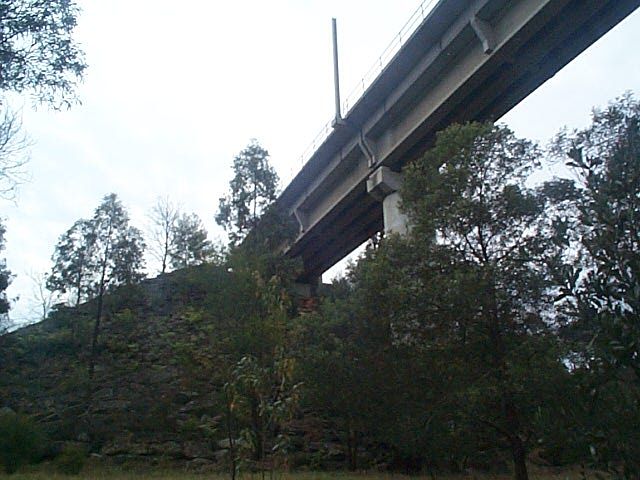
336, 74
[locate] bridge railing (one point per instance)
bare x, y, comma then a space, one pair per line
368, 78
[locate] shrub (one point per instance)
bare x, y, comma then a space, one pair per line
21, 441
71, 460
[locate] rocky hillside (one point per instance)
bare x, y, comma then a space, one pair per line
157, 386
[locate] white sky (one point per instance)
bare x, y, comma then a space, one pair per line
175, 89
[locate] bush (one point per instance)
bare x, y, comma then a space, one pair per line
21, 441
71, 460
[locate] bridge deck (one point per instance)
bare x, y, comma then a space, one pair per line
444, 73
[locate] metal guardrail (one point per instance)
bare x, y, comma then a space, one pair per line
358, 91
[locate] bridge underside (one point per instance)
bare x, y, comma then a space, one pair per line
467, 61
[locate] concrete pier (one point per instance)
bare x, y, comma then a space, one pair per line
384, 185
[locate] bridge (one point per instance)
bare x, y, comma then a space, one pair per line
466, 60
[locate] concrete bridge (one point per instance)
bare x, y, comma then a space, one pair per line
467, 60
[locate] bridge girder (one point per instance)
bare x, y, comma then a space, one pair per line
468, 60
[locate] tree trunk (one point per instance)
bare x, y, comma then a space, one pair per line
94, 338
165, 254
352, 449
519, 455
518, 448
79, 281
510, 411
94, 349
96, 326
254, 220
230, 437
256, 426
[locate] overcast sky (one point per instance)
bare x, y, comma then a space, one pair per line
175, 89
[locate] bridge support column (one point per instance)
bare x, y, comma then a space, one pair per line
308, 289
384, 185
305, 296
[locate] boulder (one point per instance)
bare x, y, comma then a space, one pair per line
197, 450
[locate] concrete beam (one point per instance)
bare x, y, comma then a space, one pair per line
485, 34
383, 182
384, 185
469, 60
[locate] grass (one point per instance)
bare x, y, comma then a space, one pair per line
96, 472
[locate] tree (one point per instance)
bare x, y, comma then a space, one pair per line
602, 288
118, 254
360, 393
37, 55
163, 216
42, 298
606, 158
12, 160
253, 189
96, 255
482, 281
264, 398
21, 441
74, 263
189, 244
37, 52
13, 145
5, 280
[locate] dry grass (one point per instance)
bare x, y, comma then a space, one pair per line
104, 473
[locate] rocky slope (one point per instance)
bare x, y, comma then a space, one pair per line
155, 391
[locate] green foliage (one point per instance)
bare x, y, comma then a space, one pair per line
74, 320
37, 55
263, 397
253, 189
442, 346
190, 245
98, 254
484, 273
439, 351
602, 286
179, 240
56, 343
5, 280
606, 157
21, 441
73, 262
71, 460
119, 246
37, 52
378, 390
193, 286
125, 300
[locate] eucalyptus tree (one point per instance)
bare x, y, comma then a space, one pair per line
38, 54
190, 245
252, 189
96, 255
74, 263
39, 57
483, 278
118, 257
